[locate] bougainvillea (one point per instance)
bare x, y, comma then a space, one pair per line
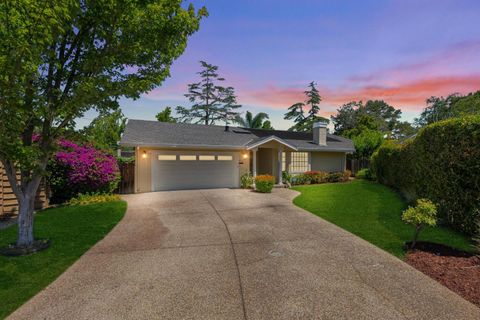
81, 169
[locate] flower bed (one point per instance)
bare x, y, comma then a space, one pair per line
317, 177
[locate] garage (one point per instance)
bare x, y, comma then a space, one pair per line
194, 170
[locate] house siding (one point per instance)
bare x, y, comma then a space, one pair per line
328, 161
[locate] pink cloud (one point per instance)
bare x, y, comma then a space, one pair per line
409, 95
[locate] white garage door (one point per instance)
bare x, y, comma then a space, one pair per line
194, 170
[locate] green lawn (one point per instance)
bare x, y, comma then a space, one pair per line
72, 231
372, 212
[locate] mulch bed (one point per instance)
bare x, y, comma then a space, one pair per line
457, 270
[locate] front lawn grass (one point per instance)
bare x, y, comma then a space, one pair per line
372, 212
72, 231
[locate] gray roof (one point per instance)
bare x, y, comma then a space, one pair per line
161, 134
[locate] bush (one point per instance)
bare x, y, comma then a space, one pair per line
77, 169
286, 177
246, 181
335, 177
364, 174
264, 183
315, 177
442, 164
423, 214
83, 199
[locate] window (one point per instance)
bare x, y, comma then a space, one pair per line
206, 158
167, 157
299, 162
284, 161
224, 158
184, 157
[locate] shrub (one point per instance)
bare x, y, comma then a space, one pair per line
286, 177
316, 176
77, 169
364, 174
264, 183
442, 164
423, 214
83, 199
246, 181
300, 179
346, 175
335, 177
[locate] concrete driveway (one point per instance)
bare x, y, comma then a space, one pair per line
235, 254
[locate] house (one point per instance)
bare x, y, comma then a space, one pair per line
175, 156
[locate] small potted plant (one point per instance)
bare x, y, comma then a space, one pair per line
423, 214
264, 183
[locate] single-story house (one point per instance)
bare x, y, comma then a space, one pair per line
175, 156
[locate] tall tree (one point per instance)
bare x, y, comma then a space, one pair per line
250, 121
105, 131
211, 101
296, 111
59, 59
166, 115
348, 115
454, 105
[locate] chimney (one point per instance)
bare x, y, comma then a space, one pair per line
320, 133
227, 128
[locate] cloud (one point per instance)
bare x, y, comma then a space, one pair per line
410, 95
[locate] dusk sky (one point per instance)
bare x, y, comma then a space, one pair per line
400, 51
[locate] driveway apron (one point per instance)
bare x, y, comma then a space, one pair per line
237, 254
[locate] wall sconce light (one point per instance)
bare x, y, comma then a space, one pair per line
245, 155
144, 155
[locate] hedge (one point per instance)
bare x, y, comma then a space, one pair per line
442, 163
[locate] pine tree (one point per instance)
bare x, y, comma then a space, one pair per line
212, 102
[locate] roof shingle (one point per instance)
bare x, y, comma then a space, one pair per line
162, 134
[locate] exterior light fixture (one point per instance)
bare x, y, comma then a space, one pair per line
245, 155
144, 155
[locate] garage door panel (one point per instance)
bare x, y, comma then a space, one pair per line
194, 174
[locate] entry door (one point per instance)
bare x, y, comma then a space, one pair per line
194, 170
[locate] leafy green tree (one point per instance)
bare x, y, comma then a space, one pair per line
296, 111
348, 115
366, 143
423, 214
166, 115
453, 106
212, 102
59, 59
363, 122
250, 121
105, 131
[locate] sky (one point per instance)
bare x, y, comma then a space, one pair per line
400, 51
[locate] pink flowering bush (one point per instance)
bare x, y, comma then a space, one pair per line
81, 169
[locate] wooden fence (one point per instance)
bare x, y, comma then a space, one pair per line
127, 182
354, 165
8, 200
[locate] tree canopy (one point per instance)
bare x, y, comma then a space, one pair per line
349, 115
296, 111
211, 101
59, 59
166, 115
105, 131
453, 106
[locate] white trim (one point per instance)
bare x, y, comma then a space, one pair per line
268, 139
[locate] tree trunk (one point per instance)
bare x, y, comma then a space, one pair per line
25, 193
415, 236
25, 220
